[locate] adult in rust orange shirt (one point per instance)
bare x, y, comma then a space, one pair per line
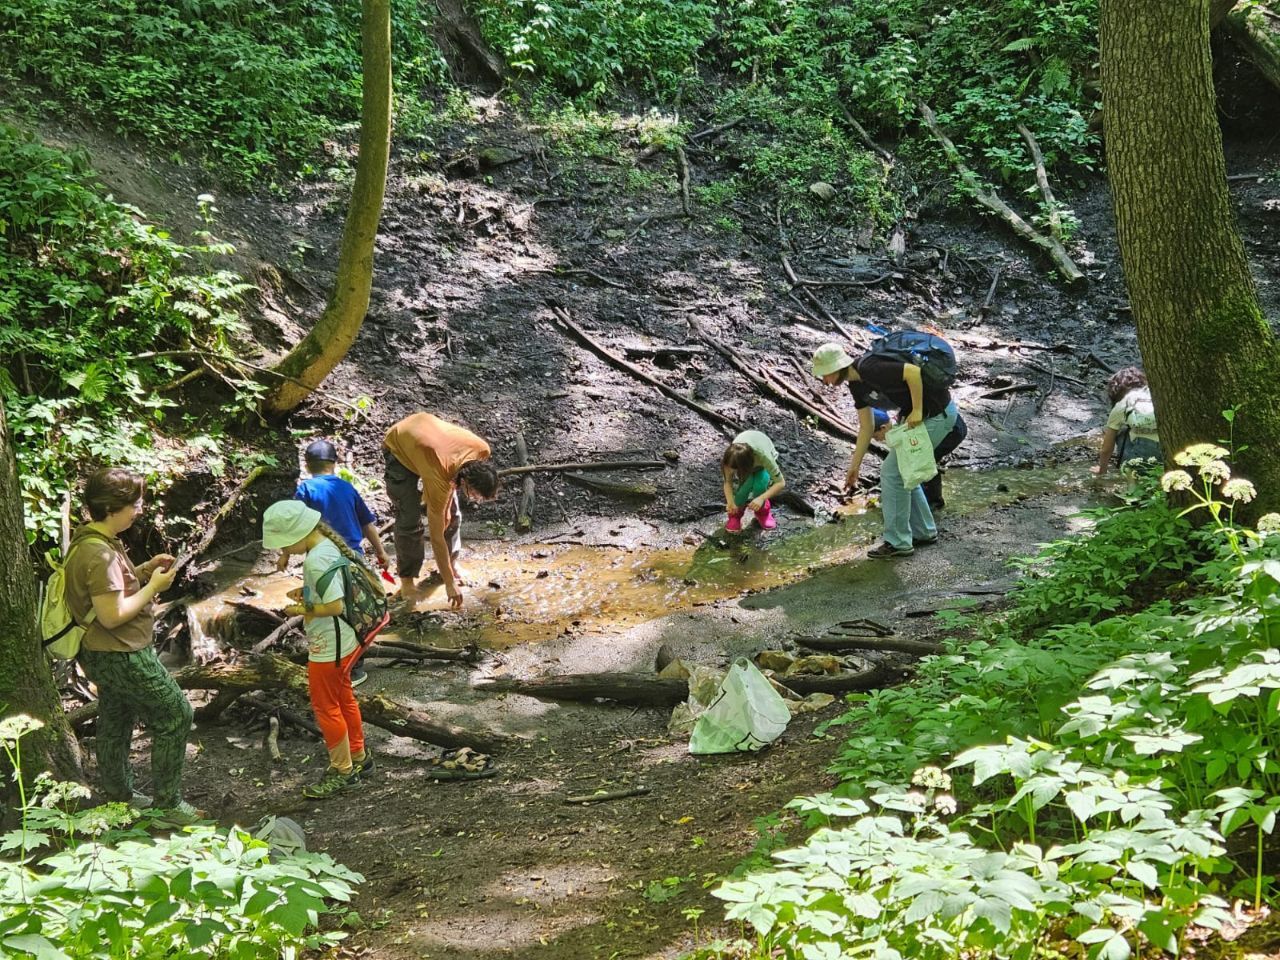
440, 456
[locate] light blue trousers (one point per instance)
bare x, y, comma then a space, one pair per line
906, 512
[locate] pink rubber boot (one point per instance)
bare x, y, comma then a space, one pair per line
765, 517
734, 523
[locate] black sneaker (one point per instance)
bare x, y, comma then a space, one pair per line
923, 541
358, 676
886, 550
366, 766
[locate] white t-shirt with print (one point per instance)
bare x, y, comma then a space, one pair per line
320, 560
1135, 411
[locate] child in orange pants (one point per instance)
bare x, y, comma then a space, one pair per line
293, 527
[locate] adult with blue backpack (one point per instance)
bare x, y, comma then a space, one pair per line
910, 372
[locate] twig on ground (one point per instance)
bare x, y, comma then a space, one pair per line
566, 323
991, 293
865, 137
716, 130
1002, 391
601, 796
588, 465
683, 160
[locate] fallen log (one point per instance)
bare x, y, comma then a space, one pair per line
586, 465
872, 676
1042, 180
836, 642
409, 722
613, 488
468, 654
991, 200
271, 672
686, 350
643, 690
524, 512
633, 689
1257, 38
566, 323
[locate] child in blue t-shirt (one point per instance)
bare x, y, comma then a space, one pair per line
338, 502
342, 508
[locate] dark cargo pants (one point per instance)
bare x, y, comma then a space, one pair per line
404, 489
136, 687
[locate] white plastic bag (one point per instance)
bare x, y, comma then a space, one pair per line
745, 715
914, 449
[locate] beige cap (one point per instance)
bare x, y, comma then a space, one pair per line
286, 522
829, 358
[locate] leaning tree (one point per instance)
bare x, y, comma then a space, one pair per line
324, 346
26, 682
1204, 341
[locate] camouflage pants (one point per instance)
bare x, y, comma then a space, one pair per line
136, 687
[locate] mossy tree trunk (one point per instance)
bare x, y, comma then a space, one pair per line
1205, 344
327, 343
26, 680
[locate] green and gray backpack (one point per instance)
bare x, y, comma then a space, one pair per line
364, 604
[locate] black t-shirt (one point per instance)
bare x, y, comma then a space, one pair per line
882, 386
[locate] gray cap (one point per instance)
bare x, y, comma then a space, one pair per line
321, 450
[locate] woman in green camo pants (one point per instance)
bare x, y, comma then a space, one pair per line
112, 599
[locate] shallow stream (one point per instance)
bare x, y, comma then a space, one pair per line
526, 592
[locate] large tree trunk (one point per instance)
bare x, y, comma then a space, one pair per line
323, 348
1204, 341
26, 680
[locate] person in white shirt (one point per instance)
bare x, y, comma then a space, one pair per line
1131, 431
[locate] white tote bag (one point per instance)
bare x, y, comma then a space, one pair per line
915, 454
746, 714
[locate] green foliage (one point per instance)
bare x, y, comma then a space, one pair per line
1098, 805
85, 287
1128, 558
589, 46
90, 884
985, 67
788, 142
242, 83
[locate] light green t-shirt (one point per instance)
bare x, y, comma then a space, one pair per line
766, 453
320, 639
